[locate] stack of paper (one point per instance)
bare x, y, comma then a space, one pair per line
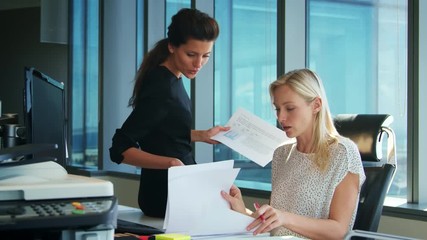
195, 205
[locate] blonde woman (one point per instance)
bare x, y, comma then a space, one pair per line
315, 181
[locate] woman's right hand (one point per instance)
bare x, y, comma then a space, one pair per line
235, 199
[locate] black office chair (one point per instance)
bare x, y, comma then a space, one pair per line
367, 131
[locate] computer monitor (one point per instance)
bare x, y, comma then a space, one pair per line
45, 114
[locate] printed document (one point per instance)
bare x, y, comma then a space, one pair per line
195, 205
252, 137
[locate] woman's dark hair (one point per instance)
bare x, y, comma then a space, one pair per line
187, 23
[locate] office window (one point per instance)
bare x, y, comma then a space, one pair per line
172, 7
359, 50
245, 64
84, 83
139, 32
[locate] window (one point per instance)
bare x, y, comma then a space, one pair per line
84, 82
357, 47
359, 50
245, 64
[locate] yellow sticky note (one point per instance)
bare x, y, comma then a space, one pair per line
172, 236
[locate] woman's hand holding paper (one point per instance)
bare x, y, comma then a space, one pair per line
235, 199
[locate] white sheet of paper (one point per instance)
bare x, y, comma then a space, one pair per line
265, 236
195, 205
175, 172
252, 137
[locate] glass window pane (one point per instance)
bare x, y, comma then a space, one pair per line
77, 43
85, 69
245, 65
359, 50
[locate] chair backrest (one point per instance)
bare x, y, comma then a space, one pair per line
367, 131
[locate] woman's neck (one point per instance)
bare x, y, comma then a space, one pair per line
172, 68
305, 144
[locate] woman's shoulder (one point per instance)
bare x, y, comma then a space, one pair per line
157, 82
159, 72
347, 144
283, 149
347, 149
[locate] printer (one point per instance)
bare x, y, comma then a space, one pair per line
40, 200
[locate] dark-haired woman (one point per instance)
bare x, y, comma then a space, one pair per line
157, 134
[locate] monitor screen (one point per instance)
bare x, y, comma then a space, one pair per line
44, 114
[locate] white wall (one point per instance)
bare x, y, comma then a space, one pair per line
403, 227
20, 47
126, 190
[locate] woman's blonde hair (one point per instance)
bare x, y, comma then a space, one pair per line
309, 86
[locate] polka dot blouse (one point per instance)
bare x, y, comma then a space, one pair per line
298, 185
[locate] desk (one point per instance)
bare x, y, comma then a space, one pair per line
135, 215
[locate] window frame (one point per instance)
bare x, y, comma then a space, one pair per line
417, 134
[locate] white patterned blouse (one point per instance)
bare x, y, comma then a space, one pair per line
298, 185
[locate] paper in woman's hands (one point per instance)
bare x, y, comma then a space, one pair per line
195, 205
252, 137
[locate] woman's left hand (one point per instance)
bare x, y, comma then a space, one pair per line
205, 135
235, 199
267, 219
213, 131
